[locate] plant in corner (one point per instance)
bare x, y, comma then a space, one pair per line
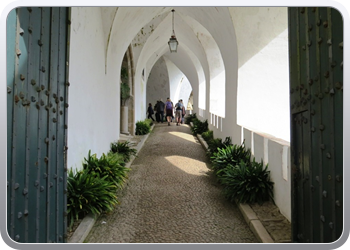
88, 193
123, 148
230, 155
142, 128
149, 121
124, 87
247, 182
216, 143
208, 135
199, 127
189, 118
111, 166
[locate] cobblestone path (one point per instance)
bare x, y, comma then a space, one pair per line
171, 197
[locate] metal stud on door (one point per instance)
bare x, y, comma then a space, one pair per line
36, 204
316, 145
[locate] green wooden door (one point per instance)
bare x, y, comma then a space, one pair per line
36, 124
316, 99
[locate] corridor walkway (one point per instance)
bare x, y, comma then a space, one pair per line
171, 197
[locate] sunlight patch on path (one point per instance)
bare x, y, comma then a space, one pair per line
185, 136
188, 165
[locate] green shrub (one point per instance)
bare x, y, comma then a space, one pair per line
247, 182
190, 117
230, 155
199, 127
123, 148
213, 146
228, 141
111, 166
88, 193
150, 122
142, 128
208, 135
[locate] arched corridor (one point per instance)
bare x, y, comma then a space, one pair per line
171, 197
81, 78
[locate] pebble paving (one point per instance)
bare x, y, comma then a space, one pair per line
171, 197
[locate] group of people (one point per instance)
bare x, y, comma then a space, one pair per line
167, 109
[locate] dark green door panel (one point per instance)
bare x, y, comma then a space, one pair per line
36, 116
316, 99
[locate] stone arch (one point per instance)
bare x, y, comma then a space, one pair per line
129, 21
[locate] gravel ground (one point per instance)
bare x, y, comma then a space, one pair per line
171, 197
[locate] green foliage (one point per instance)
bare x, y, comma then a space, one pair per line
189, 118
93, 189
247, 182
88, 193
142, 128
150, 122
228, 141
199, 127
110, 166
124, 86
124, 91
124, 149
124, 74
215, 144
208, 135
230, 155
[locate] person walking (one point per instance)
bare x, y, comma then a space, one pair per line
160, 110
172, 113
150, 112
157, 113
178, 112
183, 112
169, 110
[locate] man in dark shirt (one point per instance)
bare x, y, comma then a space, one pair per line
157, 113
160, 109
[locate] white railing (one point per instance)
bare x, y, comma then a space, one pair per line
216, 121
274, 152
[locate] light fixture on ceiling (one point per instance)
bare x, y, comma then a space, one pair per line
173, 43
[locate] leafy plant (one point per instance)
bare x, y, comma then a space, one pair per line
149, 121
190, 117
88, 193
213, 146
228, 141
230, 155
199, 127
215, 143
123, 148
247, 182
208, 135
142, 128
111, 166
124, 86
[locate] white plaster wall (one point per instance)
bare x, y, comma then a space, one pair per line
141, 37
158, 83
282, 186
184, 91
217, 81
258, 152
263, 96
127, 22
211, 20
247, 135
263, 76
175, 77
93, 116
